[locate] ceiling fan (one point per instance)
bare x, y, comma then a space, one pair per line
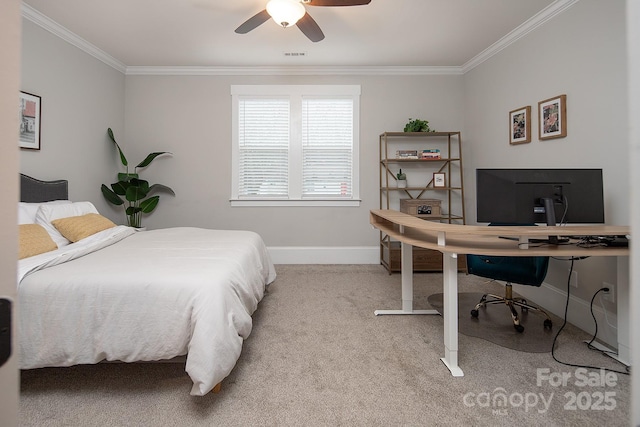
292, 12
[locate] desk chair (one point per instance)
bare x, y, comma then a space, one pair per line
520, 270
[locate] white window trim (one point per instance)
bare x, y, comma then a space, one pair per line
295, 93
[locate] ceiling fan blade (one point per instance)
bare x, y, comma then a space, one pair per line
253, 22
336, 2
310, 28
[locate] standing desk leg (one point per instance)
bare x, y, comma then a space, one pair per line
407, 285
450, 273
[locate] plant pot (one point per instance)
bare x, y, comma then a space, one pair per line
402, 183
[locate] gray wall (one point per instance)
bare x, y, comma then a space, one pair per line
81, 98
581, 53
191, 116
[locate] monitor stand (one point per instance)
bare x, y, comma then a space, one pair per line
550, 214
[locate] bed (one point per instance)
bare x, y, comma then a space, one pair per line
120, 294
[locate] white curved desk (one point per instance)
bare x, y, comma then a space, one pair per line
454, 239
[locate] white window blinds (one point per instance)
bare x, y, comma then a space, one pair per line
327, 147
263, 136
295, 145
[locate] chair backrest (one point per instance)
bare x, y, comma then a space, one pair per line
520, 270
528, 270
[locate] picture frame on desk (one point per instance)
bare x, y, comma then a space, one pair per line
439, 180
29, 121
552, 118
520, 126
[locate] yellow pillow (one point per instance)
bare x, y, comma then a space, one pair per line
34, 240
75, 228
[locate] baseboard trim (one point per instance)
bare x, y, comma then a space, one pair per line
325, 254
578, 314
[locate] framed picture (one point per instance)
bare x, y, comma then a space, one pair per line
520, 125
29, 121
439, 180
552, 117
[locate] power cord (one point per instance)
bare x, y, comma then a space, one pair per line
593, 241
542, 243
595, 321
566, 309
606, 318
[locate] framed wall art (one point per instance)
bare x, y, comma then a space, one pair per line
520, 125
439, 180
29, 121
552, 117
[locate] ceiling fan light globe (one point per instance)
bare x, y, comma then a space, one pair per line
285, 12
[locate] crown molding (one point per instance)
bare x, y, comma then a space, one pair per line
531, 24
53, 27
290, 70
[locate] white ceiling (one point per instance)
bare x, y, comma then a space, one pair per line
180, 33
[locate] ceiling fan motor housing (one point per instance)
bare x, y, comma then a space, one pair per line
292, 12
285, 12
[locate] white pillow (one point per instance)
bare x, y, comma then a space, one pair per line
27, 211
47, 213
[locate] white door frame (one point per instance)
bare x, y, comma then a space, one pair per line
633, 52
10, 51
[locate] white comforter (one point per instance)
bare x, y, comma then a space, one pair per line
135, 296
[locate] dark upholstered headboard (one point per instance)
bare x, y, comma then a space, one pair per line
35, 191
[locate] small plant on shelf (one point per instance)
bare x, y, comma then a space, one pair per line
402, 179
417, 125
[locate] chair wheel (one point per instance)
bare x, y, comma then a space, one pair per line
474, 313
548, 324
519, 328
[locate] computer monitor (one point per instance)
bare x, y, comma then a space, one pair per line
548, 196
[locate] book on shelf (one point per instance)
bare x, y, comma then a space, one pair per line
430, 154
406, 154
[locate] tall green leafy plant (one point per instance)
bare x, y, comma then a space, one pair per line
132, 191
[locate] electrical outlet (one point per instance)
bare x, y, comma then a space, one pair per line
573, 280
611, 294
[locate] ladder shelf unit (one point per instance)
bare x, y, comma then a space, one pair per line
424, 196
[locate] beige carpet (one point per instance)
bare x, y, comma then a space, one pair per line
494, 324
318, 356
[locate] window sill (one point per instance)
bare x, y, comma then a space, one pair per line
282, 203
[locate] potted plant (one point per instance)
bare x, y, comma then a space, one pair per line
133, 192
402, 179
417, 125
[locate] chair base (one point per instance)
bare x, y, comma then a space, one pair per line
511, 302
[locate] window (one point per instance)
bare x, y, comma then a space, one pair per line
295, 145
